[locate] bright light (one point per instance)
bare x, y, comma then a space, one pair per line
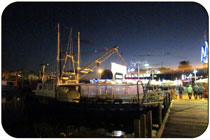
118, 133
146, 65
65, 78
100, 71
195, 71
183, 77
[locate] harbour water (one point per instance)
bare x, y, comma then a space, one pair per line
20, 119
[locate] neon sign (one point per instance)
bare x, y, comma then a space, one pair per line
204, 53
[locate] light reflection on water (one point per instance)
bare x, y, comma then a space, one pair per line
76, 129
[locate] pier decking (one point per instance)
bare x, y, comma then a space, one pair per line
187, 119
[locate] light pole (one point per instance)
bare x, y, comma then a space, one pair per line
138, 66
138, 71
195, 71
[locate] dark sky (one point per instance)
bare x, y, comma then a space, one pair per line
161, 33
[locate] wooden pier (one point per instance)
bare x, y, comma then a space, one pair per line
187, 119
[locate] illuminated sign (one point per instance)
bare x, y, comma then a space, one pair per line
130, 70
117, 68
204, 53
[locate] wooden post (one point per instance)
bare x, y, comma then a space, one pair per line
149, 123
143, 125
165, 106
169, 98
165, 103
137, 128
140, 126
159, 114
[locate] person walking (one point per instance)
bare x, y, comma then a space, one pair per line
189, 91
200, 91
195, 90
181, 90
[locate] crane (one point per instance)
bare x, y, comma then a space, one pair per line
89, 68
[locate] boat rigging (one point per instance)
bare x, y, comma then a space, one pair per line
78, 73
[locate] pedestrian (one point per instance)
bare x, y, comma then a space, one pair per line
200, 91
189, 91
195, 90
181, 90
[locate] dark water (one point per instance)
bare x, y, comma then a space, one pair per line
31, 120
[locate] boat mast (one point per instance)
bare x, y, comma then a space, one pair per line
78, 59
58, 56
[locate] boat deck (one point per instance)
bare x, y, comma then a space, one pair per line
187, 119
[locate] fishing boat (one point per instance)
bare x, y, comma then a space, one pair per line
66, 88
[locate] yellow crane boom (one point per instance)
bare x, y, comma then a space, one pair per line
100, 60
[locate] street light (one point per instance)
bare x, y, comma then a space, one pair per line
195, 71
100, 71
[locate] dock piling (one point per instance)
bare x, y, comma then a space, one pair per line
149, 123
143, 125
137, 128
140, 127
159, 114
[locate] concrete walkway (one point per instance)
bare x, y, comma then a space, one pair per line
187, 119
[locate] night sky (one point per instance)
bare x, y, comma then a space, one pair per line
163, 34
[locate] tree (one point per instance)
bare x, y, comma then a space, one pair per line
107, 74
184, 66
